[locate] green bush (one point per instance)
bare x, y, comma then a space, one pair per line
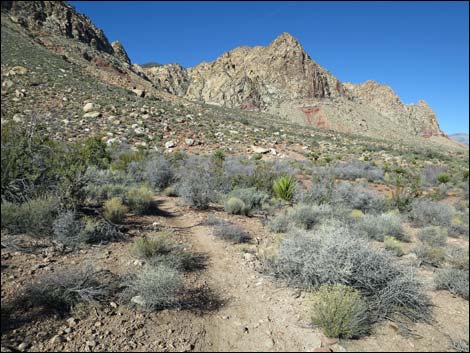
34, 217
114, 210
234, 205
433, 236
443, 178
340, 311
431, 255
139, 199
285, 187
279, 224
159, 249
394, 245
148, 247
252, 198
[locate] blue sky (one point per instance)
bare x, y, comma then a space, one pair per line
420, 49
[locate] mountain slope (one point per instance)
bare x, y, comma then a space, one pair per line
280, 79
462, 137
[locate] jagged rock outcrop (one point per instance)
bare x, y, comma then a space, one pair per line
120, 52
256, 78
58, 17
418, 118
171, 78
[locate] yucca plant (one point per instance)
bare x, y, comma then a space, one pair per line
284, 187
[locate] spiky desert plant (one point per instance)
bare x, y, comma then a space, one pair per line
284, 187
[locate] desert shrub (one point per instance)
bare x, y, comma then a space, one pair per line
238, 171
357, 197
197, 185
148, 247
159, 250
426, 212
394, 245
379, 226
431, 255
32, 164
305, 216
170, 191
234, 205
356, 169
98, 231
459, 225
285, 187
212, 220
454, 280
156, 287
100, 193
430, 174
123, 158
252, 198
457, 257
279, 224
405, 192
321, 189
356, 215
139, 199
34, 217
68, 228
231, 233
333, 255
158, 173
443, 178
433, 236
63, 290
114, 210
340, 311
101, 177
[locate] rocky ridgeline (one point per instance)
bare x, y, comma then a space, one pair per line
280, 79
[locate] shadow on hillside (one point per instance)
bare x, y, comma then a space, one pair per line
155, 210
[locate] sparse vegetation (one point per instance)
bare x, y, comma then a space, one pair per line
139, 199
426, 212
305, 259
155, 288
231, 233
340, 311
394, 245
114, 210
433, 236
379, 226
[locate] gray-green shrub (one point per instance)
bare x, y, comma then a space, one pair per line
433, 236
377, 227
139, 199
332, 254
454, 280
231, 232
426, 212
34, 217
197, 184
159, 287
234, 205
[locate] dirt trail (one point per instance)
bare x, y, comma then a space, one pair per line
258, 316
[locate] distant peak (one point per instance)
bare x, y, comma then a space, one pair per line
286, 39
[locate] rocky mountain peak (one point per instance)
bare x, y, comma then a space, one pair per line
120, 52
57, 17
286, 40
